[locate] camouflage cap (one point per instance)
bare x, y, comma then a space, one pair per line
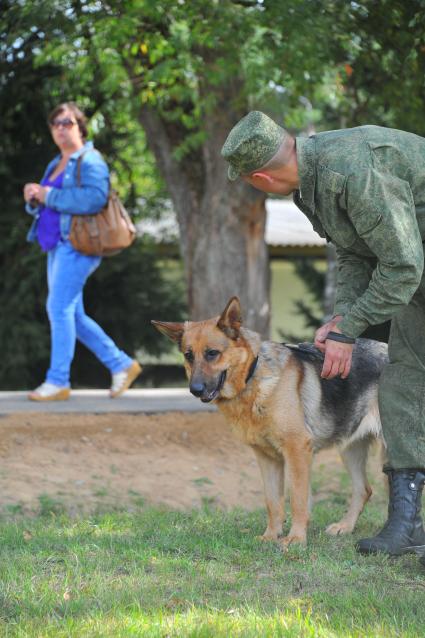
251, 143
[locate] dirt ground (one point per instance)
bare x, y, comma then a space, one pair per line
178, 459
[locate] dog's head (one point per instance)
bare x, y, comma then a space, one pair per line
217, 356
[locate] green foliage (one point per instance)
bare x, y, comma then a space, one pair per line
25, 147
127, 290
180, 58
330, 63
379, 51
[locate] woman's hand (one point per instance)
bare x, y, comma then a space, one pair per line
29, 192
35, 191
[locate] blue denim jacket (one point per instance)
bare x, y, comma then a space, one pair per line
71, 199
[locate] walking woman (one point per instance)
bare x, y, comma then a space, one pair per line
52, 203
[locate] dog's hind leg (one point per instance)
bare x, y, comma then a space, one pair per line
354, 457
272, 472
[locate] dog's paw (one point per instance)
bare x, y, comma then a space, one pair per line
268, 536
293, 539
341, 527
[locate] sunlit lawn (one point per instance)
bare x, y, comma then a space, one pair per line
154, 572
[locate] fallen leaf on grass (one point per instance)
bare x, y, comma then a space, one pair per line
175, 602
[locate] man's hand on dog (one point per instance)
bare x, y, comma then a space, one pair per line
337, 355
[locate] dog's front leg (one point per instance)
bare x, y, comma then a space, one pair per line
298, 458
272, 472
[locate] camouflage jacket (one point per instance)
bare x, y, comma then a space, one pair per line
364, 190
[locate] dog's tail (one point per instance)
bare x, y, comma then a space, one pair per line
306, 351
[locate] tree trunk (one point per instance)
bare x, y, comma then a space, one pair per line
221, 223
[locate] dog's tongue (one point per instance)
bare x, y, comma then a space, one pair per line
209, 397
212, 395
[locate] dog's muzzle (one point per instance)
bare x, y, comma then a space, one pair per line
201, 391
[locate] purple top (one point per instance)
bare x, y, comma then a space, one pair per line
48, 228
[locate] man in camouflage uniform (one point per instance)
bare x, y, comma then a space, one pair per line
364, 190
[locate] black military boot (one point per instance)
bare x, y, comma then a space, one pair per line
403, 532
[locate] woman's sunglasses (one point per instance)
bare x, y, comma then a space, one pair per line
66, 123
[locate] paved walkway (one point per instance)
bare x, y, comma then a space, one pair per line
98, 401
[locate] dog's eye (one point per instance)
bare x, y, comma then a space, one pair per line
189, 356
211, 354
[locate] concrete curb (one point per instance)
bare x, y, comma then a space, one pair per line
98, 402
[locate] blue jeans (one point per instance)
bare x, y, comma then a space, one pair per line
67, 272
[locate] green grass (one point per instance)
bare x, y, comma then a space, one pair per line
286, 289
203, 573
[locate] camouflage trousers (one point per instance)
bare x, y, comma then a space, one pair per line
402, 387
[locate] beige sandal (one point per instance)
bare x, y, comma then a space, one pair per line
49, 392
121, 381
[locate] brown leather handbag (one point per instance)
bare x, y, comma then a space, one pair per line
105, 233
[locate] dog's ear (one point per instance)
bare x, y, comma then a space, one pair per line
231, 320
172, 330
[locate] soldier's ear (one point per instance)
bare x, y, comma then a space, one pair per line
172, 330
260, 176
230, 321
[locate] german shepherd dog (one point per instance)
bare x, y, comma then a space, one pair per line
273, 395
